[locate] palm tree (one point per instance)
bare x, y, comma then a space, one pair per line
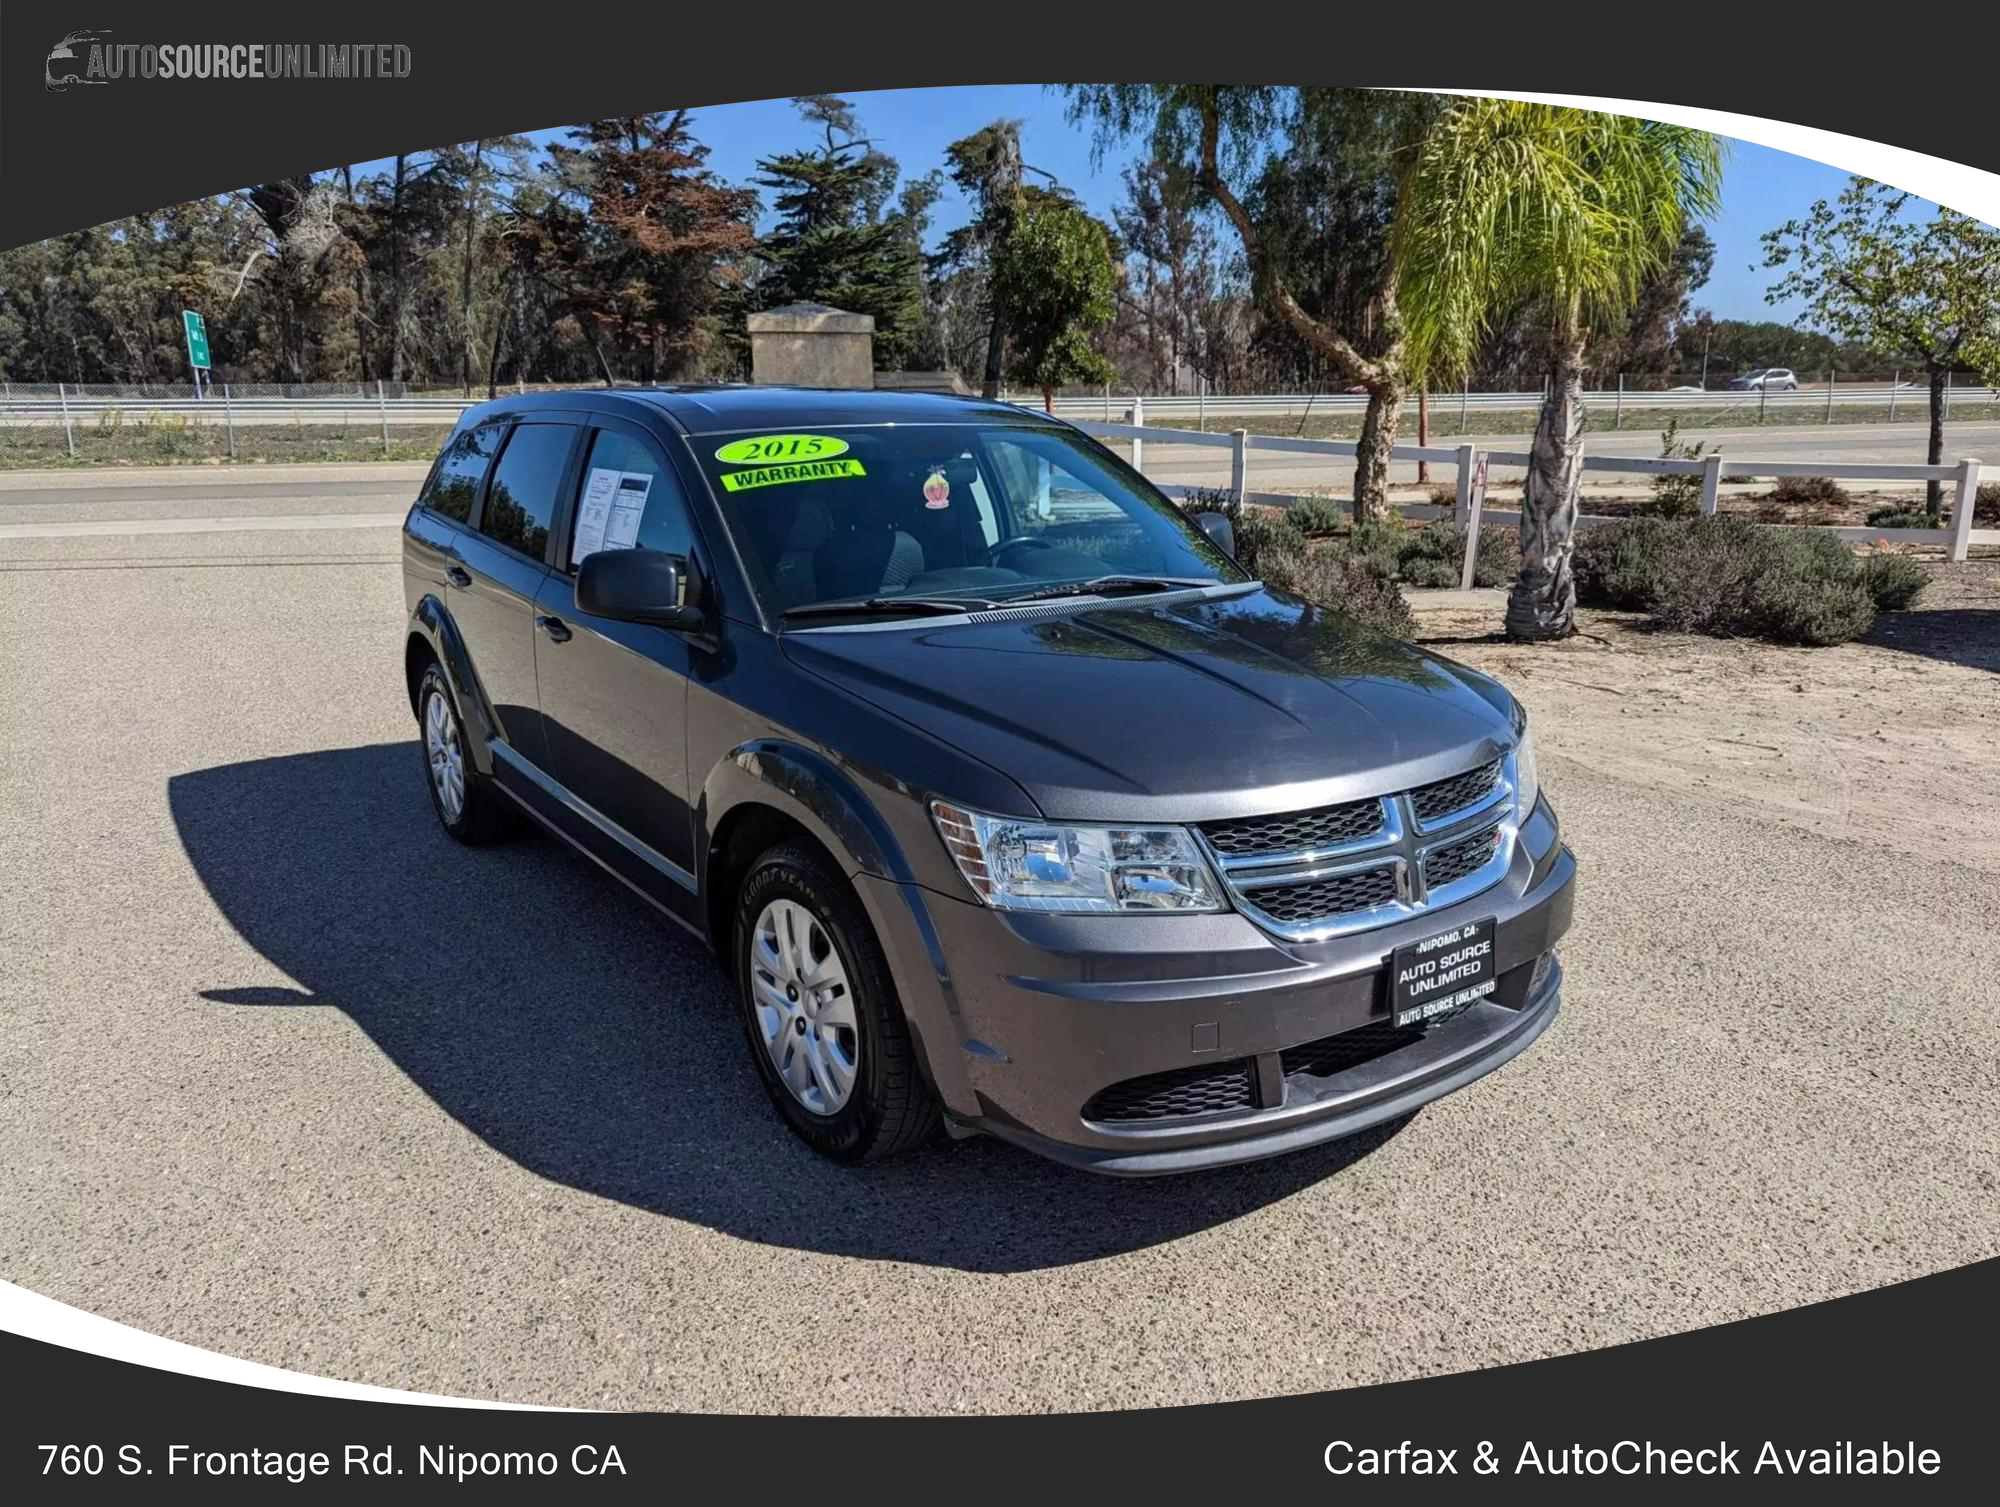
1507, 200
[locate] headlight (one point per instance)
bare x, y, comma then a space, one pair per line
1053, 866
1527, 782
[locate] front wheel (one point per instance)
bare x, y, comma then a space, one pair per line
825, 1026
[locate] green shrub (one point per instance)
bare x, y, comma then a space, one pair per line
1675, 496
1730, 577
1377, 544
1267, 546
1899, 515
1431, 570
1314, 515
1893, 580
1622, 565
1327, 573
1793, 604
1434, 555
1809, 491
1347, 583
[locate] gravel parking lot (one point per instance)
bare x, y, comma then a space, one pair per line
288, 1075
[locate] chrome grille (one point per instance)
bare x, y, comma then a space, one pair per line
1433, 803
1297, 831
1296, 903
1332, 870
1452, 862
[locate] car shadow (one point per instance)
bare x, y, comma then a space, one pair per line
577, 1032
1968, 636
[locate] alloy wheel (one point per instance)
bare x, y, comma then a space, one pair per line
446, 755
804, 1006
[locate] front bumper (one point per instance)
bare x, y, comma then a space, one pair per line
1025, 1020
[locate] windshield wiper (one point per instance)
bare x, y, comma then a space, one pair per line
915, 606
1111, 585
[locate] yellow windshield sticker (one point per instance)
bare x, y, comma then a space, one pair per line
769, 449
804, 470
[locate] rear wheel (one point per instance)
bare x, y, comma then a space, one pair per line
467, 805
825, 1026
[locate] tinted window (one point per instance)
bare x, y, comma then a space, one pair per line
455, 480
987, 511
628, 500
522, 498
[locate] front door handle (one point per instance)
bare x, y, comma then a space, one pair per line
458, 575
554, 627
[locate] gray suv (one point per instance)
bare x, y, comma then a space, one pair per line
1006, 797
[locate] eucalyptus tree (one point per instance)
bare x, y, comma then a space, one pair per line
1220, 136
1899, 285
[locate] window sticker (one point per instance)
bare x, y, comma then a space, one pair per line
937, 489
768, 449
608, 517
592, 513
807, 470
628, 505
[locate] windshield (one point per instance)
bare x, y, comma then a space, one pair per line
926, 517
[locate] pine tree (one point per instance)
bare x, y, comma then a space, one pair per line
661, 238
837, 240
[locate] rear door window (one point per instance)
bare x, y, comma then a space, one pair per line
454, 481
521, 500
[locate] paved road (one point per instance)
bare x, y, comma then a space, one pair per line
285, 1073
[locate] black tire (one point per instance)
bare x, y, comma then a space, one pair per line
890, 1107
481, 816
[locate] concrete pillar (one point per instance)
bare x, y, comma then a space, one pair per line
810, 345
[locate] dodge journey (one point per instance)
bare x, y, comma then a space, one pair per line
1007, 799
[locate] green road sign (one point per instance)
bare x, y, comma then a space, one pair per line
197, 335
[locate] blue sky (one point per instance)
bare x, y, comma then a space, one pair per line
1761, 187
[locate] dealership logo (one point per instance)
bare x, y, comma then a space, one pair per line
66, 66
84, 57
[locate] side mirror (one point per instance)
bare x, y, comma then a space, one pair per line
636, 586
1221, 532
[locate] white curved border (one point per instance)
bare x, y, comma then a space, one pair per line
39, 1318
1972, 190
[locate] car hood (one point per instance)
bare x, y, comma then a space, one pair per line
1175, 710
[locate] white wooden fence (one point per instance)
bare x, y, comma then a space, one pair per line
1957, 536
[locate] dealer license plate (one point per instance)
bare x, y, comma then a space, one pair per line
1442, 972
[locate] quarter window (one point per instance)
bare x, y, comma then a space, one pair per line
521, 501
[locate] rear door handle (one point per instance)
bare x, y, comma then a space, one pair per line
555, 627
458, 575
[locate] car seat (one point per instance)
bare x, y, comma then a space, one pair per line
865, 552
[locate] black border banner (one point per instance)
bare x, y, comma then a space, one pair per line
1897, 1369
1901, 1367
89, 154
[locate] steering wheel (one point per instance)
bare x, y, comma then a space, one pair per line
998, 555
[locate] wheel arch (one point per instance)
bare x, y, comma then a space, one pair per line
770, 788
773, 789
434, 636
